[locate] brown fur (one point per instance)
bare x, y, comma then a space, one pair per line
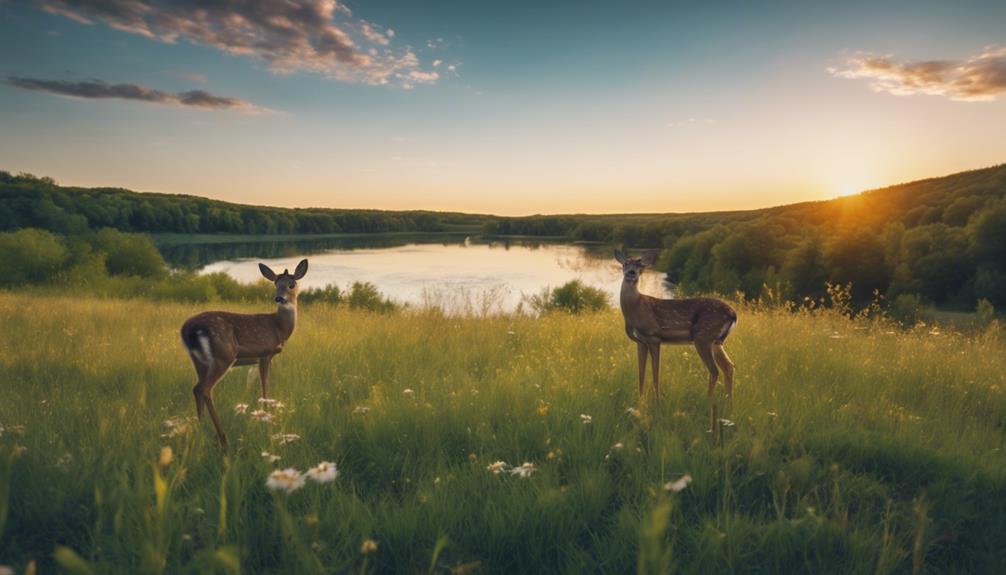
240, 339
650, 322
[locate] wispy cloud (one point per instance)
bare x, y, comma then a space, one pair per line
97, 89
319, 36
979, 78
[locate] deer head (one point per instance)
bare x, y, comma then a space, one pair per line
286, 283
632, 268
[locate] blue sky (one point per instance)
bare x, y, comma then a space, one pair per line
519, 107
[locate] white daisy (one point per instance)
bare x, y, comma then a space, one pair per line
241, 408
323, 472
526, 470
261, 416
497, 467
288, 480
271, 458
284, 438
679, 485
585, 419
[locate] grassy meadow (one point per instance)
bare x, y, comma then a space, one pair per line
854, 447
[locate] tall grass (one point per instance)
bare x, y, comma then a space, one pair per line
855, 448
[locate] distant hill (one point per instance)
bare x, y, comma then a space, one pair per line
30, 201
941, 239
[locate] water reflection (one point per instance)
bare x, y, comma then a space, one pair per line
449, 272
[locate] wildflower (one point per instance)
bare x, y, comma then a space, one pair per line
542, 409
273, 403
497, 467
679, 485
773, 414
261, 416
526, 470
65, 461
436, 481
270, 457
175, 426
317, 547
727, 423
585, 419
324, 472
284, 438
617, 446
288, 480
408, 392
369, 546
634, 413
241, 408
361, 409
166, 456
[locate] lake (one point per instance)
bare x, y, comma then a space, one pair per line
448, 271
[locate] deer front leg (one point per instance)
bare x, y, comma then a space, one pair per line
655, 359
643, 352
263, 373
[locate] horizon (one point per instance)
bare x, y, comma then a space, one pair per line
531, 110
523, 215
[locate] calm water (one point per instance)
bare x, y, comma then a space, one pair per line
444, 271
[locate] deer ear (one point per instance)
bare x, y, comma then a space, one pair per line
649, 257
301, 270
620, 256
267, 273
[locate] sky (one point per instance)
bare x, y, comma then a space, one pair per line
510, 108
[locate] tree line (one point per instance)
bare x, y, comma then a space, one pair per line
28, 201
942, 240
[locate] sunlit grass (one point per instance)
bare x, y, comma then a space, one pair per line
856, 447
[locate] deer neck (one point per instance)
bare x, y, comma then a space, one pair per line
286, 317
629, 297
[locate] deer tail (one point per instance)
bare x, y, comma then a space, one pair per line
197, 341
726, 330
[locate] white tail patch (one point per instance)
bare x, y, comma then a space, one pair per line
203, 354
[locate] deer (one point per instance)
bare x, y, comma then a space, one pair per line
219, 340
651, 321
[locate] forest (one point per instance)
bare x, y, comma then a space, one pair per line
29, 201
940, 241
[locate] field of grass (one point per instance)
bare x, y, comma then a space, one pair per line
854, 448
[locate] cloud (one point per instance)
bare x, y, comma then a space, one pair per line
979, 78
97, 90
319, 36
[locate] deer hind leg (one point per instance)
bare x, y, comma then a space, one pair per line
204, 394
705, 350
263, 374
655, 360
643, 353
723, 361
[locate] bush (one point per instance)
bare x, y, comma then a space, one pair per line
907, 309
30, 256
130, 254
571, 297
986, 312
364, 295
328, 294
